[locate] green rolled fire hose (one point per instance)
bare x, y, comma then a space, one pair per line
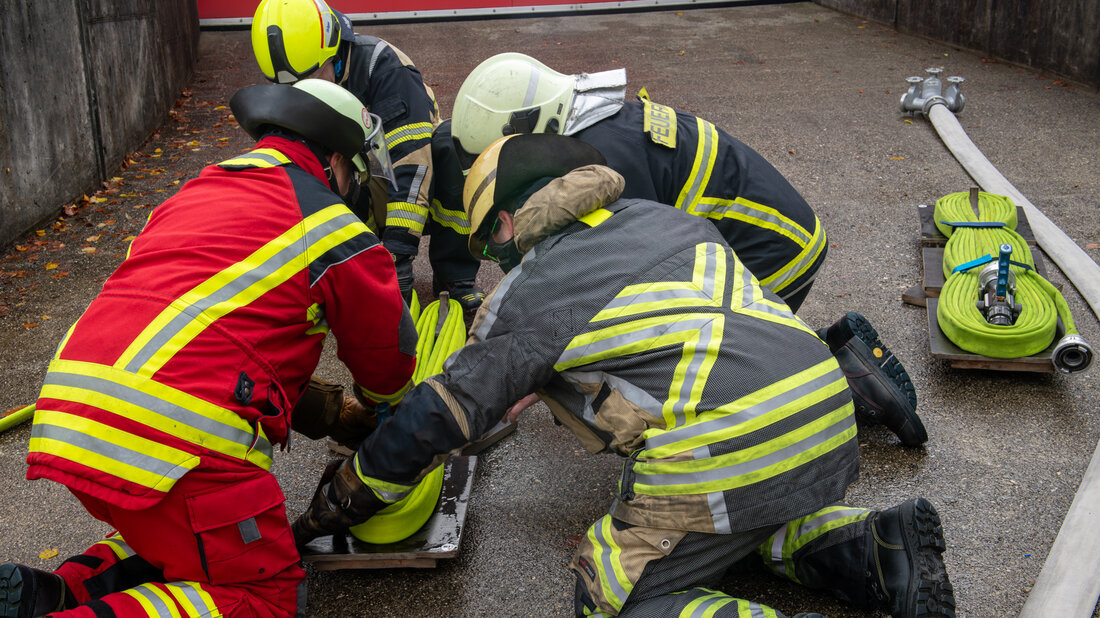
1041, 304
16, 417
442, 331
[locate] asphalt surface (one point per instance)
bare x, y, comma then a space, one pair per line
816, 92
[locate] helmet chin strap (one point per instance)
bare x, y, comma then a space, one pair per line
352, 195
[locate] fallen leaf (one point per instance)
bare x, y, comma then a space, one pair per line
59, 274
219, 107
48, 553
88, 249
116, 178
129, 239
907, 121
30, 324
52, 265
1092, 245
897, 158
93, 238
20, 248
40, 232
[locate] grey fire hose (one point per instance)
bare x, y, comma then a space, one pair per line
1069, 583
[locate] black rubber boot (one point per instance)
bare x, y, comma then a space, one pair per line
906, 576
27, 592
341, 501
467, 293
882, 392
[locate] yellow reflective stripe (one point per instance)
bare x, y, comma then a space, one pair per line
760, 451
65, 339
103, 447
153, 601
416, 130
771, 219
386, 491
794, 269
118, 546
748, 299
391, 398
158, 406
191, 595
407, 214
757, 411
706, 288
261, 157
596, 217
707, 606
453, 219
607, 555
705, 154
237, 286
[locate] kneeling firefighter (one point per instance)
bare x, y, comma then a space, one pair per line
675, 158
163, 402
658, 344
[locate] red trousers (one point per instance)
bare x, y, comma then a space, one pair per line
219, 544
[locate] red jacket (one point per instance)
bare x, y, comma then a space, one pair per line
202, 341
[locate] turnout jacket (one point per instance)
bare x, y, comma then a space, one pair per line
672, 157
202, 341
646, 336
384, 79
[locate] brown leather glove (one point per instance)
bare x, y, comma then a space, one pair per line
324, 410
341, 501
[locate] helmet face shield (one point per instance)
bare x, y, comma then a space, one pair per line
375, 154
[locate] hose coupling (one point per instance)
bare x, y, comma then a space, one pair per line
1072, 354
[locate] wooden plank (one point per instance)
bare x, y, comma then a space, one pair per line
915, 296
439, 539
943, 348
930, 235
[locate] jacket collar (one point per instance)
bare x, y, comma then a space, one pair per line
298, 153
566, 199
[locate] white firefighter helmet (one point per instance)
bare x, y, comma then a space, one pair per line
506, 94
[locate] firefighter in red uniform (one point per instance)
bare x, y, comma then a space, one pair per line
163, 402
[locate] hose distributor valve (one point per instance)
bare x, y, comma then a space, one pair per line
997, 283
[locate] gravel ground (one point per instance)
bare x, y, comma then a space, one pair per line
816, 92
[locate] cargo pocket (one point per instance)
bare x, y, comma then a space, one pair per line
242, 531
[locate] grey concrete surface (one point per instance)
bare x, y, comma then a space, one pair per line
816, 92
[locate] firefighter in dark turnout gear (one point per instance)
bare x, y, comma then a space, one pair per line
293, 39
672, 157
163, 403
646, 336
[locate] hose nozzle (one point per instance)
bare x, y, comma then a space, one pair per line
1072, 354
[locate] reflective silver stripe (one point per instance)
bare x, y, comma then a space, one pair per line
532, 86
714, 257
756, 610
603, 346
381, 45
817, 522
414, 186
397, 212
727, 206
740, 416
778, 540
154, 599
746, 467
285, 256
167, 409
454, 219
716, 500
632, 393
498, 297
704, 607
807, 258
606, 564
159, 467
390, 496
694, 186
192, 592
787, 293
411, 131
118, 542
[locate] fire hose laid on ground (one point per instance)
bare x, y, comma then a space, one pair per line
441, 331
993, 302
1067, 586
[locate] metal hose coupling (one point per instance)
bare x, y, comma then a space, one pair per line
1072, 354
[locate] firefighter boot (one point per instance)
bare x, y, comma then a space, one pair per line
467, 293
341, 501
882, 392
906, 576
26, 592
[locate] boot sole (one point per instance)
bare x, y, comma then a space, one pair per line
874, 354
930, 592
11, 591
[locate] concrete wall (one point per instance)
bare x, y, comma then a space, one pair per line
82, 83
1061, 36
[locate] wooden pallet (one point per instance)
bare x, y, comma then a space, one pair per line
927, 294
439, 539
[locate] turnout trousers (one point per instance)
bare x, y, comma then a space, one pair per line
218, 544
643, 572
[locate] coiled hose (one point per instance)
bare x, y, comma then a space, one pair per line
437, 341
959, 318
